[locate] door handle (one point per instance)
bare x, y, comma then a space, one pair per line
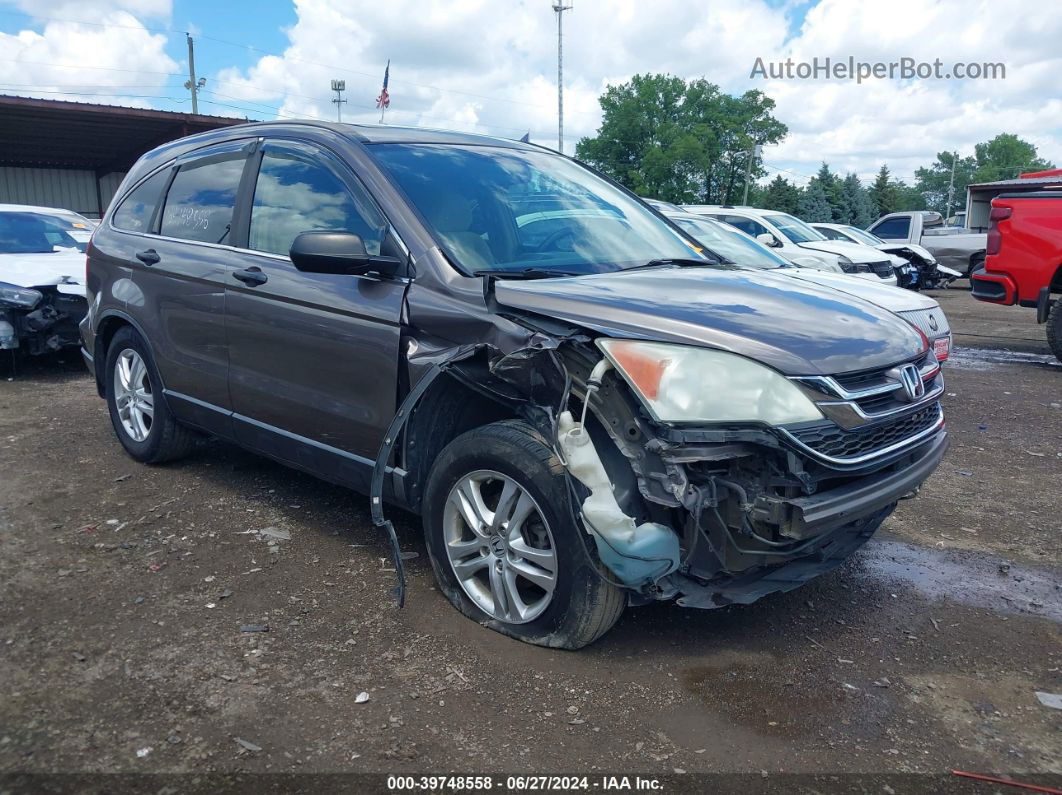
149, 257
252, 276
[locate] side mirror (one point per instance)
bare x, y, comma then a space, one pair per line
768, 240
321, 251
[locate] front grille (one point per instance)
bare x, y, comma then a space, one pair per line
925, 319
832, 441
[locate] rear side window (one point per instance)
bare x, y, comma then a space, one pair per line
200, 202
893, 228
297, 192
135, 212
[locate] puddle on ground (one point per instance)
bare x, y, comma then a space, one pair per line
969, 578
989, 358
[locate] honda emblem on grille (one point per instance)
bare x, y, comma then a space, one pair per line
933, 323
911, 381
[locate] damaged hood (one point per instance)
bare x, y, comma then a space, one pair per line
795, 326
64, 269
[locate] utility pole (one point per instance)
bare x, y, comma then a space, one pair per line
339, 86
560, 9
753, 151
192, 84
951, 186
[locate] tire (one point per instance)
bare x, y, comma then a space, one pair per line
163, 438
976, 261
582, 605
1054, 328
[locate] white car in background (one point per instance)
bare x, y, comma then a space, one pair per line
929, 270
796, 241
42, 277
734, 245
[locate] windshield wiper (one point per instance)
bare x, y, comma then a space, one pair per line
682, 262
525, 273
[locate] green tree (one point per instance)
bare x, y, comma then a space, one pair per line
665, 138
814, 207
1006, 157
908, 197
861, 210
780, 194
932, 181
883, 192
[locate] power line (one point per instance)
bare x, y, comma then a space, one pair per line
291, 58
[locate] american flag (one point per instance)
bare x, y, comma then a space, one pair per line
384, 100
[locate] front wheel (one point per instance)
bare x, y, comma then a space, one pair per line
504, 545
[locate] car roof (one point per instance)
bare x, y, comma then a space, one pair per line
722, 208
373, 133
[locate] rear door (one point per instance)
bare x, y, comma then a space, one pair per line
313, 357
180, 270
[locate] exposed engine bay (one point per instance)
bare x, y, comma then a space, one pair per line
708, 514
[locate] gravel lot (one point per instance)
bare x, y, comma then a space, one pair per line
124, 588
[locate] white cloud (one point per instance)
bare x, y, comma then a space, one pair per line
490, 66
117, 62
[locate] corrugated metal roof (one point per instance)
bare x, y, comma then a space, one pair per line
51, 133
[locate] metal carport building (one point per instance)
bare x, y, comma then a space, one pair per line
74, 154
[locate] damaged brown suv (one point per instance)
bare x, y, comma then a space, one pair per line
587, 409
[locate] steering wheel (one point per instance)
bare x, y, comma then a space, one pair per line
546, 244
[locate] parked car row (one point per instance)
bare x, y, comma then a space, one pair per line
591, 404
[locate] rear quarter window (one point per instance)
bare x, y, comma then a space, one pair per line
136, 210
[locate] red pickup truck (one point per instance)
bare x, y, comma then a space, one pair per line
1023, 263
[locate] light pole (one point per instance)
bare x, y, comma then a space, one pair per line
560, 9
339, 86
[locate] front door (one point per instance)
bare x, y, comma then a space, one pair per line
313, 357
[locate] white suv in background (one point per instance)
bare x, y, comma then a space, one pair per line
797, 242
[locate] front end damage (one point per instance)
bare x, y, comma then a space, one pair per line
40, 319
710, 515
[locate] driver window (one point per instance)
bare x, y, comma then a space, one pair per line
297, 193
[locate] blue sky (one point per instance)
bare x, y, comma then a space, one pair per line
490, 65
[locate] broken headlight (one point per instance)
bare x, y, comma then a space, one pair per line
681, 383
19, 296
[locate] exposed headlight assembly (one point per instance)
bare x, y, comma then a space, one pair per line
19, 296
682, 383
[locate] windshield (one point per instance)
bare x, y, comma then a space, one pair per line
27, 232
502, 210
731, 243
863, 236
793, 228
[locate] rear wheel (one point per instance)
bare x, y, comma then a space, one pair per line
142, 420
1054, 328
977, 261
504, 545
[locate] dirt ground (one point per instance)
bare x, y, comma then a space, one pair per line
125, 593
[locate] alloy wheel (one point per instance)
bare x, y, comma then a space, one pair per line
500, 547
132, 395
